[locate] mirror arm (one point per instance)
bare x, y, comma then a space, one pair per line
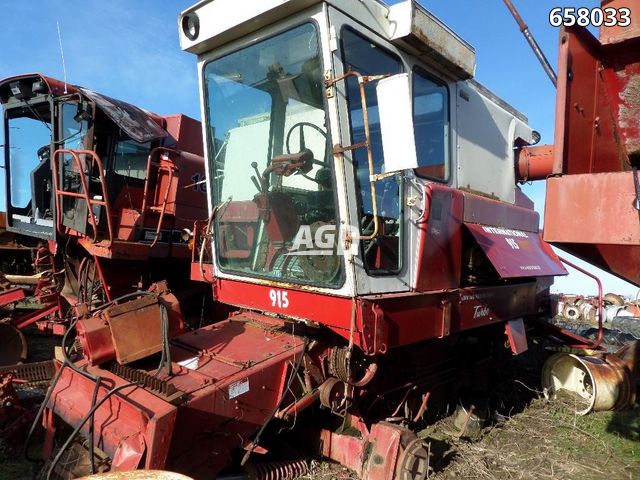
362, 81
367, 133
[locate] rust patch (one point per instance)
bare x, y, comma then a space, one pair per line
629, 116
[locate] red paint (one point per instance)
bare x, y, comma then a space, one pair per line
534, 163
439, 239
494, 213
616, 33
236, 375
596, 113
11, 296
589, 210
515, 253
374, 454
71, 399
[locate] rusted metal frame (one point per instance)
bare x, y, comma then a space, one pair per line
445, 306
404, 399
598, 341
33, 317
596, 119
362, 80
11, 296
532, 43
433, 382
105, 287
75, 154
423, 406
85, 419
559, 140
296, 407
169, 166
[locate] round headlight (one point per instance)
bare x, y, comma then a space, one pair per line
191, 25
536, 137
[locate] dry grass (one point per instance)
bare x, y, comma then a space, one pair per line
544, 441
547, 440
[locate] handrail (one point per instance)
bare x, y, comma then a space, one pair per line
95, 159
598, 341
170, 166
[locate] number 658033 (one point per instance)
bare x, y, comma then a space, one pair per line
584, 17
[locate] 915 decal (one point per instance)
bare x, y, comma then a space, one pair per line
584, 17
279, 298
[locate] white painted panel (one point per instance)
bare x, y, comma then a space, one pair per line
486, 133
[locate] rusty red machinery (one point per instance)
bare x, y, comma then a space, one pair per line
593, 187
104, 188
16, 410
366, 233
18, 252
596, 148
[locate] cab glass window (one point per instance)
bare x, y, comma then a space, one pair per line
382, 254
131, 158
431, 126
29, 136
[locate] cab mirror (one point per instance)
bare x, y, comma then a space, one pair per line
395, 108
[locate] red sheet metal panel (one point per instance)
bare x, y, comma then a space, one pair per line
594, 209
598, 103
515, 253
439, 240
486, 211
120, 423
517, 335
616, 33
10, 296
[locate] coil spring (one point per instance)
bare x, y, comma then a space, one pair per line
279, 470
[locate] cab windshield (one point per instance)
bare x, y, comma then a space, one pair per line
29, 137
273, 182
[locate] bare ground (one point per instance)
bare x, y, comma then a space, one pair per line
544, 441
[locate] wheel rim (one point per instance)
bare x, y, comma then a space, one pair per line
13, 345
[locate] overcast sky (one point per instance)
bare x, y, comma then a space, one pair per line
129, 50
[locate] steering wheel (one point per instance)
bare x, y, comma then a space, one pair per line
302, 143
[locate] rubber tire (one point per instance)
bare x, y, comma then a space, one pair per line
13, 345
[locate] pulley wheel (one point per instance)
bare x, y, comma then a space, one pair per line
13, 345
413, 463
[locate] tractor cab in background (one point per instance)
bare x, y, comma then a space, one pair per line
104, 189
82, 164
102, 180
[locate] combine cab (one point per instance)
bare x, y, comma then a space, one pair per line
103, 187
364, 225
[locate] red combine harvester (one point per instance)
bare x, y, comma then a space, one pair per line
104, 187
366, 229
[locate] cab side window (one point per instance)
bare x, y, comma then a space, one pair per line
382, 254
431, 126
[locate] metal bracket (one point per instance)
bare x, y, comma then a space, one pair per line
329, 86
636, 185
